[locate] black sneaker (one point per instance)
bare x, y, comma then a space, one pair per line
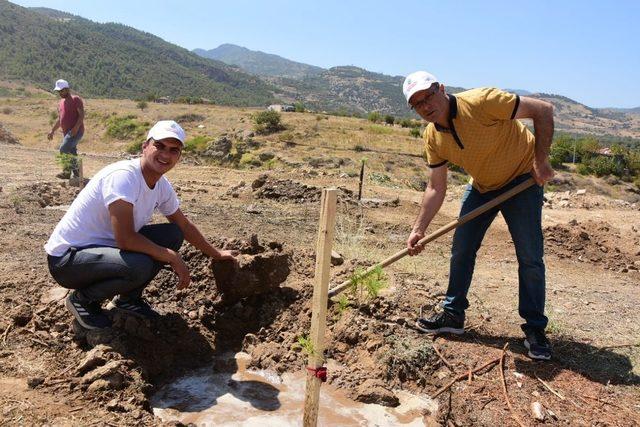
138, 307
441, 323
537, 344
88, 314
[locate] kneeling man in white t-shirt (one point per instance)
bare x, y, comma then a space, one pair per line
104, 249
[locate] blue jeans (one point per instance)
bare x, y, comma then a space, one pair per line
102, 272
523, 215
70, 146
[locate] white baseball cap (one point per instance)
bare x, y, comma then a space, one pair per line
167, 129
417, 81
61, 84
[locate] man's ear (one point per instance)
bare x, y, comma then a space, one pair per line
441, 87
146, 143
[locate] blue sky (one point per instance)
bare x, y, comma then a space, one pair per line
586, 50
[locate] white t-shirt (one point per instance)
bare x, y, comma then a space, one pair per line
87, 222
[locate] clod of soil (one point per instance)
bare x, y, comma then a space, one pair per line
266, 187
254, 275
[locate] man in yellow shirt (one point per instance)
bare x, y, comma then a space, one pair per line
478, 130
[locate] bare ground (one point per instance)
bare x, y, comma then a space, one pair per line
592, 261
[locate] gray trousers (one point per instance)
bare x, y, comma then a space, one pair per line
102, 272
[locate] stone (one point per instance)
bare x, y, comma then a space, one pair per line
336, 258
97, 356
218, 149
34, 382
260, 181
581, 192
537, 410
55, 294
103, 372
375, 391
253, 209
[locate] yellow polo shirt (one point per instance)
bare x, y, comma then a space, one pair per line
483, 138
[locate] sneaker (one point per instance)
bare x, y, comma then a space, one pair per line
138, 307
537, 344
88, 314
441, 323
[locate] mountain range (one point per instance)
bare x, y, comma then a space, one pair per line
40, 45
113, 60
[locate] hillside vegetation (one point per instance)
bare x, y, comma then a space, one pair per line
113, 60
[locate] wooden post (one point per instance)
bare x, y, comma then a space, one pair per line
80, 174
326, 231
361, 178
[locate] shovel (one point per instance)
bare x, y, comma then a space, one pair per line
442, 230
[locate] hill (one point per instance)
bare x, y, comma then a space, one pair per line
259, 63
351, 89
113, 60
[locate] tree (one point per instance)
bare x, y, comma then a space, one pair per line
142, 105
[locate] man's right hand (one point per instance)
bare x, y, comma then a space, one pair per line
180, 267
413, 248
50, 136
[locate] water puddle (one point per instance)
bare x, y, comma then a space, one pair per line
238, 397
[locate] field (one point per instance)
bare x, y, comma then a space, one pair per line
52, 373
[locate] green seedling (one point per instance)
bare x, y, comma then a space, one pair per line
371, 283
304, 343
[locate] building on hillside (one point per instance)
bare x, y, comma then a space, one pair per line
163, 100
281, 108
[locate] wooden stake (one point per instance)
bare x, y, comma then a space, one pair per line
442, 230
361, 179
326, 232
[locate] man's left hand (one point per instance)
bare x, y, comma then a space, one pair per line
228, 256
542, 171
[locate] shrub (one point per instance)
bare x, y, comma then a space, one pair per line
134, 148
142, 105
299, 107
7, 110
267, 122
408, 123
249, 159
374, 117
196, 144
389, 119
126, 127
66, 161
415, 132
190, 117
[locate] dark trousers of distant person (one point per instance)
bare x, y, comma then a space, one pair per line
99, 273
523, 215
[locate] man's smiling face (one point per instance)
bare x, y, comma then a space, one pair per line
161, 156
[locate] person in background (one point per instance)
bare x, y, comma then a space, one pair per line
71, 121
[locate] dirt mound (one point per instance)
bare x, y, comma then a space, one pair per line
266, 187
42, 195
7, 137
593, 242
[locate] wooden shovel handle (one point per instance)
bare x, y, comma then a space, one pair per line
442, 230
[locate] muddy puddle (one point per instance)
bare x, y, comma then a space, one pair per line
220, 396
